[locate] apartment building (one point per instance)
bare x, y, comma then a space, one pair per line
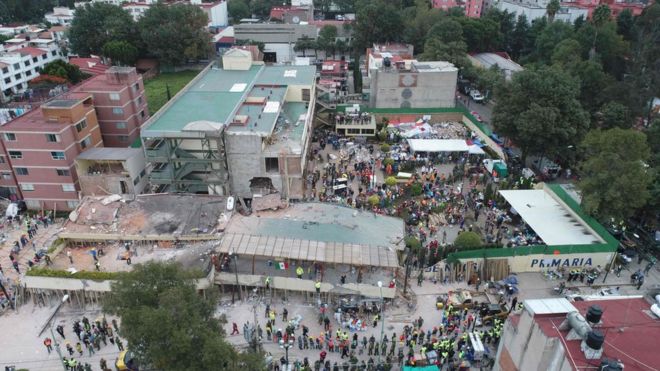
20, 66
215, 11
41, 146
60, 15
472, 8
121, 106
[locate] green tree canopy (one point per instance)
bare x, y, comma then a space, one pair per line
120, 52
614, 114
540, 112
168, 325
96, 24
376, 21
467, 240
64, 70
552, 8
614, 176
238, 9
175, 33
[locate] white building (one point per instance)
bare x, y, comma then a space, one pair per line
60, 15
216, 11
536, 10
17, 68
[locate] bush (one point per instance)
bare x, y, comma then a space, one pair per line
416, 189
467, 241
382, 135
384, 147
93, 275
388, 161
412, 243
373, 200
390, 181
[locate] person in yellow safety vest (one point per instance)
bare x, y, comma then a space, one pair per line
271, 315
464, 336
317, 285
444, 356
338, 334
268, 283
299, 272
423, 351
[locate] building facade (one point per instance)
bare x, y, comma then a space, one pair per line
20, 66
60, 15
472, 8
417, 85
41, 146
121, 106
279, 39
537, 9
242, 129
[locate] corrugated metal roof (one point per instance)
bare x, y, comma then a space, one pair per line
549, 306
109, 154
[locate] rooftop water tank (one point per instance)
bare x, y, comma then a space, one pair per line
595, 340
594, 313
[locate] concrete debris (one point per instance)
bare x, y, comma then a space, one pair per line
110, 199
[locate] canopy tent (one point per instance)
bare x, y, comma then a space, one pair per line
550, 219
476, 150
318, 251
438, 145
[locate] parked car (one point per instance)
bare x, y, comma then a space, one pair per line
476, 96
476, 115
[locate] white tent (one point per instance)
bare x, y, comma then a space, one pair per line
438, 145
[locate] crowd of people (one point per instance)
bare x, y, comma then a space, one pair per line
90, 337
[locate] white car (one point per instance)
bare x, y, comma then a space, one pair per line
476, 96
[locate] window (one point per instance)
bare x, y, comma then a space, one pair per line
17, 76
28, 73
17, 66
57, 155
12, 190
68, 188
123, 138
32, 204
114, 96
5, 175
136, 87
7, 80
44, 56
15, 155
2, 159
63, 172
118, 111
143, 173
305, 95
54, 53
272, 165
10, 137
72, 204
5, 70
27, 63
86, 142
35, 59
27, 187
21, 171
81, 125
142, 114
121, 125
139, 100
136, 181
52, 138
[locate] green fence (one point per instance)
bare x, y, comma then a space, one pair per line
609, 245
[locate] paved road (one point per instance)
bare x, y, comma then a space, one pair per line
484, 110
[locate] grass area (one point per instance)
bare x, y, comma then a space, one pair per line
156, 88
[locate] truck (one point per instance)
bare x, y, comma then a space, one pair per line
464, 299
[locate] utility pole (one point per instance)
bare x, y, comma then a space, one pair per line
405, 280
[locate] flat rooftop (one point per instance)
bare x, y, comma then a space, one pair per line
218, 95
554, 222
289, 129
61, 103
630, 330
173, 215
109, 154
323, 222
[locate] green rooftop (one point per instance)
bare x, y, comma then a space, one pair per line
216, 94
213, 96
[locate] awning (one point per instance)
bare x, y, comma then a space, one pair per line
438, 145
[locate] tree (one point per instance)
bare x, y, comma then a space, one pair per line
168, 325
467, 240
303, 44
614, 114
390, 181
175, 33
614, 178
238, 9
540, 112
551, 9
625, 22
60, 68
376, 21
97, 24
520, 38
120, 52
567, 53
326, 39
